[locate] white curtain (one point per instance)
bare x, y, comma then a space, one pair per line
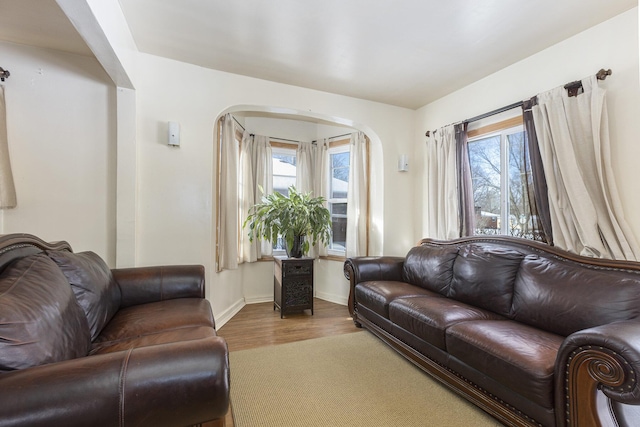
305, 173
442, 217
263, 178
255, 172
7, 187
251, 160
320, 184
357, 197
228, 210
573, 134
247, 195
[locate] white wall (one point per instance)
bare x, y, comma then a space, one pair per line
175, 185
612, 44
60, 115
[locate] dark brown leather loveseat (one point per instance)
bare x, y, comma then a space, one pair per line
529, 333
83, 345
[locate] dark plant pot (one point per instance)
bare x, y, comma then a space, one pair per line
296, 250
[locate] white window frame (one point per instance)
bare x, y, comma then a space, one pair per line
289, 152
504, 171
344, 148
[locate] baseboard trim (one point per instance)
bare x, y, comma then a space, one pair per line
229, 313
334, 298
258, 300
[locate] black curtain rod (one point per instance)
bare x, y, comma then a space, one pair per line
494, 112
334, 137
239, 124
600, 75
4, 74
283, 139
340, 136
313, 142
270, 137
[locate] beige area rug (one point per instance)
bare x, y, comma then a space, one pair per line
345, 380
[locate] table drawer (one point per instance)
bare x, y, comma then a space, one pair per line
293, 268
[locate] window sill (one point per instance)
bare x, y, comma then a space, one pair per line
340, 258
334, 257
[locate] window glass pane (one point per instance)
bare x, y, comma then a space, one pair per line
339, 209
339, 175
284, 172
338, 190
338, 226
484, 159
284, 176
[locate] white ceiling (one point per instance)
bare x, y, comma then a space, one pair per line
39, 23
399, 52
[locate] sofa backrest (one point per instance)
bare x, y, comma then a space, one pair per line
91, 280
481, 274
430, 267
528, 281
563, 296
484, 275
40, 319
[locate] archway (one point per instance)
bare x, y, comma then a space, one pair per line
329, 286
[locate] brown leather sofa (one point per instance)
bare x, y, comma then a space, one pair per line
83, 345
531, 334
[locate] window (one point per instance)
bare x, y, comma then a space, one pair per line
339, 157
284, 169
500, 192
284, 176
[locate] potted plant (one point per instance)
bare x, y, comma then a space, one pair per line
298, 218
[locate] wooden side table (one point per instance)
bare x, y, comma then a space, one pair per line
292, 284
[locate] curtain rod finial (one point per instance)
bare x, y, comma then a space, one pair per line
602, 74
4, 74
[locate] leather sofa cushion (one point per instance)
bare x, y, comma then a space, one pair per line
188, 333
563, 297
40, 319
430, 267
428, 318
484, 275
518, 356
93, 285
376, 295
161, 316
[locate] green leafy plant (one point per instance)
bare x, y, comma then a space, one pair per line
297, 217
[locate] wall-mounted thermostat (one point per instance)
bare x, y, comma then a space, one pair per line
403, 163
174, 134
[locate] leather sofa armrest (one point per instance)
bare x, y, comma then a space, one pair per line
364, 269
182, 383
605, 358
141, 285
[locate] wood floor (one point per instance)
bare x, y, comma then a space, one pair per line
258, 325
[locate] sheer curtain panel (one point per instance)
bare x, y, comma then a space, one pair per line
305, 167
7, 188
228, 205
442, 218
357, 197
255, 174
573, 135
321, 185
